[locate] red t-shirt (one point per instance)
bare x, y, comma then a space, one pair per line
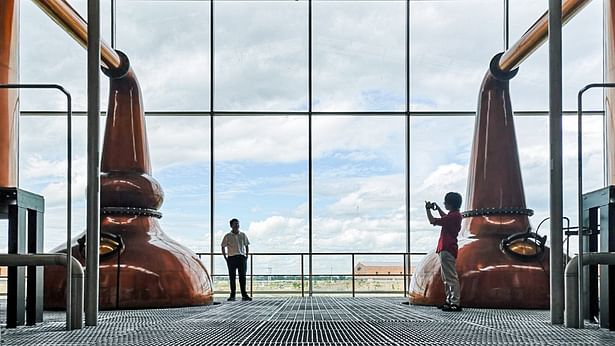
451, 224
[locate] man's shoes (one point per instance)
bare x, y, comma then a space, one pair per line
452, 307
231, 299
246, 299
445, 305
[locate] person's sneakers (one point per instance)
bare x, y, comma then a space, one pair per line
452, 307
445, 305
231, 299
246, 299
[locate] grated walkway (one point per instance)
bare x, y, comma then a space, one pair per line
310, 321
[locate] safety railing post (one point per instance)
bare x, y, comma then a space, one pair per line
406, 259
353, 275
251, 274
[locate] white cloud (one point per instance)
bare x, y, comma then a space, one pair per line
370, 136
444, 178
36, 167
264, 139
279, 233
365, 196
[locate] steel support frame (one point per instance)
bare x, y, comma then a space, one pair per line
93, 165
24, 211
556, 163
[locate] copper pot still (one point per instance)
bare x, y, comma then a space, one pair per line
9, 98
501, 263
140, 266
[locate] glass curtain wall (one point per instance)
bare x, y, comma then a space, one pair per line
292, 116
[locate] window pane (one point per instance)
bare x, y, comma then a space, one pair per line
42, 170
179, 150
530, 88
359, 59
358, 185
451, 45
49, 55
168, 45
261, 179
439, 155
582, 55
533, 139
261, 55
582, 52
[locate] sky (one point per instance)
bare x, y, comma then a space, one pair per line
261, 162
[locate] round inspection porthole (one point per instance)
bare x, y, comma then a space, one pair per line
110, 245
527, 246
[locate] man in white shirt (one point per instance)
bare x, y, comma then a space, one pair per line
238, 250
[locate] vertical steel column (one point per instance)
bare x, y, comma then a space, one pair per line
16, 285
555, 140
70, 324
93, 187
211, 139
34, 289
588, 302
607, 272
407, 139
113, 23
310, 223
353, 276
506, 24
583, 222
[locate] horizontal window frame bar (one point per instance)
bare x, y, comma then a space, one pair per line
319, 253
302, 113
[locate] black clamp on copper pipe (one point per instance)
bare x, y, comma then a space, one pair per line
497, 72
121, 71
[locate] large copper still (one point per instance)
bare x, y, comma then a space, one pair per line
9, 98
491, 273
140, 266
501, 263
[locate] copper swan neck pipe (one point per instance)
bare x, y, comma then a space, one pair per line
64, 15
536, 35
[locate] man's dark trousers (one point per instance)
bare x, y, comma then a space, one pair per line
237, 262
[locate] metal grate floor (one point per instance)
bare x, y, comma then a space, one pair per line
310, 321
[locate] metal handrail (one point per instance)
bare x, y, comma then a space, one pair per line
302, 276
69, 165
74, 306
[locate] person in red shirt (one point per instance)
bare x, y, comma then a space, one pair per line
447, 246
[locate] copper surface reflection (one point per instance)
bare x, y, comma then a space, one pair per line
495, 210
9, 98
152, 270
